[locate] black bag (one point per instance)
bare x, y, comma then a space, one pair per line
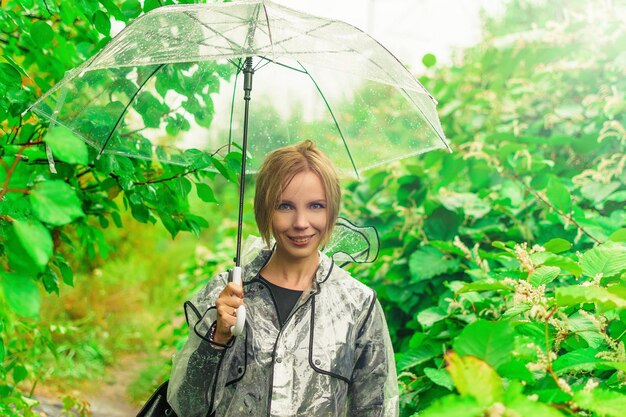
157, 405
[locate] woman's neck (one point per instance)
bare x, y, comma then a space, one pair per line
290, 273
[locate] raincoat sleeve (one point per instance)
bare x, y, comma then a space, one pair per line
196, 382
373, 389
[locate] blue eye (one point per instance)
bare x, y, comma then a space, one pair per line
283, 206
317, 206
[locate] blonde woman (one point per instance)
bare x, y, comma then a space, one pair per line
316, 342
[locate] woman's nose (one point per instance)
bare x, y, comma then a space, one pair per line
301, 221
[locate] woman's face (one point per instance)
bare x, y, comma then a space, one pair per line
300, 219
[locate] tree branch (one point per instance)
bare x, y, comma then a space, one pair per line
182, 174
5, 187
545, 201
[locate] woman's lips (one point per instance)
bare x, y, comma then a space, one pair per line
300, 240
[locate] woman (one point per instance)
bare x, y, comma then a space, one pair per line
316, 342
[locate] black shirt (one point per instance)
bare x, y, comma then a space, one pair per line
285, 299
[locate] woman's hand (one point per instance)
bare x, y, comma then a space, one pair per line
230, 298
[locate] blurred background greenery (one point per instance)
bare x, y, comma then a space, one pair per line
502, 264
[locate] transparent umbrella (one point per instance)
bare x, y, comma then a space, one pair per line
169, 84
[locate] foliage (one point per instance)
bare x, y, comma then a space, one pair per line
503, 264
56, 195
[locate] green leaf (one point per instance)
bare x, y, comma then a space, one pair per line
101, 22
490, 341
55, 202
484, 285
619, 235
523, 406
50, 281
573, 295
428, 262
24, 73
20, 261
140, 212
414, 357
151, 5
205, 193
470, 203
36, 241
442, 224
66, 271
150, 108
558, 195
577, 360
602, 401
131, 8
66, 146
561, 262
607, 259
42, 33
453, 406
439, 377
2, 350
9, 75
515, 369
474, 378
87, 7
557, 245
517, 310
19, 374
544, 275
226, 172
429, 60
113, 9
22, 294
584, 327
430, 316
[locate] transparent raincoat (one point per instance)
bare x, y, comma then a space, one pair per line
332, 357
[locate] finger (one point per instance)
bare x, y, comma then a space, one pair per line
227, 312
229, 301
227, 321
235, 289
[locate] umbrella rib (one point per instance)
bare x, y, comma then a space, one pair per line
121, 116
234, 45
295, 36
282, 65
441, 138
236, 64
262, 63
319, 90
269, 29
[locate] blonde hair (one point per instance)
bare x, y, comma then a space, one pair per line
277, 171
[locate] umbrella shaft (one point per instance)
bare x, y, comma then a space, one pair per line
248, 72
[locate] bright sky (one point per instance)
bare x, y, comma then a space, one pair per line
409, 28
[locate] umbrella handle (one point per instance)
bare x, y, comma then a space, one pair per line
237, 329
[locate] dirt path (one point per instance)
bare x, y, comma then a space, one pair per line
107, 396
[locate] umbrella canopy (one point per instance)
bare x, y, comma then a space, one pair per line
168, 83
154, 91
